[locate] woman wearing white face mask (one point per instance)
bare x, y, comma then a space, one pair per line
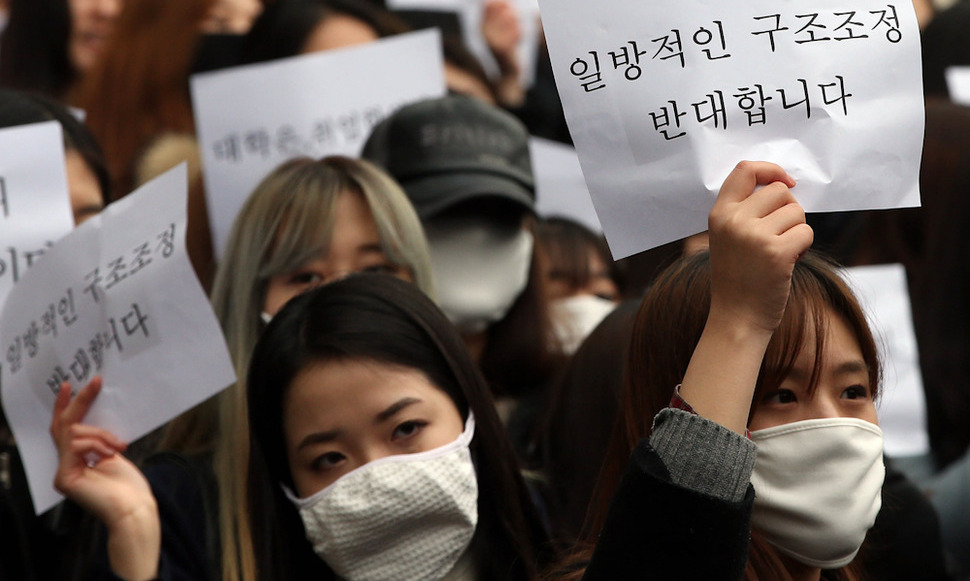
376, 451
581, 278
760, 336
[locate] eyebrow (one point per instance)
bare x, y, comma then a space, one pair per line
853, 366
846, 367
395, 408
319, 438
370, 247
331, 435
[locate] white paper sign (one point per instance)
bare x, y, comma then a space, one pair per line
664, 98
958, 84
884, 295
252, 118
560, 187
117, 296
35, 206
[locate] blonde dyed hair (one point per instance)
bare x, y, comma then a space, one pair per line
286, 222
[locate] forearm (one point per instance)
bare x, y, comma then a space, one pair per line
134, 544
721, 376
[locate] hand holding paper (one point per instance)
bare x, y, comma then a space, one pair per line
757, 235
116, 297
93, 472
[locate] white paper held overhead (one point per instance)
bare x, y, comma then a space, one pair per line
664, 98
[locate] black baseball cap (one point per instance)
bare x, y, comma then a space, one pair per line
453, 149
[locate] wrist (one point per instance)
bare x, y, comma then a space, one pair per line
721, 377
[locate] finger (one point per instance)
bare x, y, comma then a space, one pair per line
91, 448
742, 181
785, 218
797, 240
60, 404
78, 431
768, 199
79, 406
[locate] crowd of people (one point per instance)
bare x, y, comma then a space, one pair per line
435, 382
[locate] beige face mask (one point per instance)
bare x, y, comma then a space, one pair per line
410, 516
818, 488
480, 269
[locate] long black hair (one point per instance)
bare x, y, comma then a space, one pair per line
23, 108
283, 28
379, 318
35, 48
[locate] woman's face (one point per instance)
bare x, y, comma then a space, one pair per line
231, 16
91, 23
340, 415
338, 31
843, 387
600, 284
355, 246
86, 200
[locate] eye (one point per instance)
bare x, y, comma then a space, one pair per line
327, 461
408, 429
306, 278
856, 392
382, 268
779, 397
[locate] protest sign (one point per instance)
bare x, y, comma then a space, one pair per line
560, 187
35, 206
115, 297
664, 98
252, 118
884, 295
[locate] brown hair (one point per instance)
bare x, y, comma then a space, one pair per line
668, 328
140, 88
567, 245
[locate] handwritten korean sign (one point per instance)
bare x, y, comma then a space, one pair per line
116, 297
35, 207
664, 98
252, 118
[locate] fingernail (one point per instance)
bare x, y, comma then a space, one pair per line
91, 459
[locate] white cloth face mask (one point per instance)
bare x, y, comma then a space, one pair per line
574, 318
409, 516
818, 488
480, 268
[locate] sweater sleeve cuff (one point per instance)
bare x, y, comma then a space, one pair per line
702, 455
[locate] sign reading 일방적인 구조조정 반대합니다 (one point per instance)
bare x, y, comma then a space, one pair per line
664, 98
117, 297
